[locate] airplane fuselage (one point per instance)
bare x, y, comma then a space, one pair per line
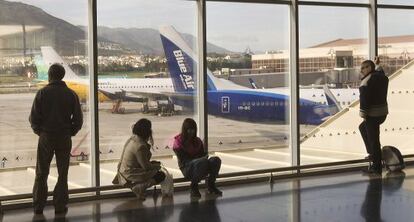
254, 106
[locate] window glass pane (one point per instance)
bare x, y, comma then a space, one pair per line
33, 35
249, 71
396, 50
136, 80
333, 43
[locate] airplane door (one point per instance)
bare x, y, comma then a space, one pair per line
225, 104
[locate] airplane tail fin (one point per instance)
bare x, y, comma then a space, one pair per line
332, 101
182, 62
49, 57
180, 59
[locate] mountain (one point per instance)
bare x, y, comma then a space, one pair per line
58, 33
67, 38
146, 40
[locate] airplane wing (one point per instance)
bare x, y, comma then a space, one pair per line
131, 96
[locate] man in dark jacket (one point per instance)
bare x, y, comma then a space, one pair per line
373, 109
56, 116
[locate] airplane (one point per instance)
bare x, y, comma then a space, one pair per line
116, 90
229, 100
225, 98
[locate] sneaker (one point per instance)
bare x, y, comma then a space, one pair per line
195, 193
214, 190
373, 170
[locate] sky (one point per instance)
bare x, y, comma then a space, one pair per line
236, 26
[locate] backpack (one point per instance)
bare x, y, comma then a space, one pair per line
392, 158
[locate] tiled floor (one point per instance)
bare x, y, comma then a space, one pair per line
346, 197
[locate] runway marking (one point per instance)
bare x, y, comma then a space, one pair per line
6, 191
112, 173
252, 158
334, 151
33, 171
301, 155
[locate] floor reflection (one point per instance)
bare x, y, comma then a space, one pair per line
159, 212
371, 207
343, 197
200, 211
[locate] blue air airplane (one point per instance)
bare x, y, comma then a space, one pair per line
229, 100
225, 98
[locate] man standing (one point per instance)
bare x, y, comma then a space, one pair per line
373, 109
56, 116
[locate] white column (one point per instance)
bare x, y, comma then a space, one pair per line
93, 93
201, 71
373, 30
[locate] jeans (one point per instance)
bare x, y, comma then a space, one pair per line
200, 168
370, 132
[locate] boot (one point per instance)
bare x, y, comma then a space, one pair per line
140, 188
211, 187
373, 170
139, 191
195, 193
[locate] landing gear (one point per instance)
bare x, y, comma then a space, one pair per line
117, 107
165, 108
145, 107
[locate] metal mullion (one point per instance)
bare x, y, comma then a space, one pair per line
93, 92
202, 73
294, 84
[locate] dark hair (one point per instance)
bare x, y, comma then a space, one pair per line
370, 63
56, 72
188, 124
142, 128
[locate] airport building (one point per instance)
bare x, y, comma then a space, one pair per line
286, 129
340, 53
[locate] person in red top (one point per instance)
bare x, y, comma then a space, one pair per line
193, 160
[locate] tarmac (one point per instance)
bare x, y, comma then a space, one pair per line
242, 146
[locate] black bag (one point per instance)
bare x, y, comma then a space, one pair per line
392, 158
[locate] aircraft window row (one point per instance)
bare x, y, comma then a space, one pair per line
278, 103
266, 103
310, 104
130, 87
